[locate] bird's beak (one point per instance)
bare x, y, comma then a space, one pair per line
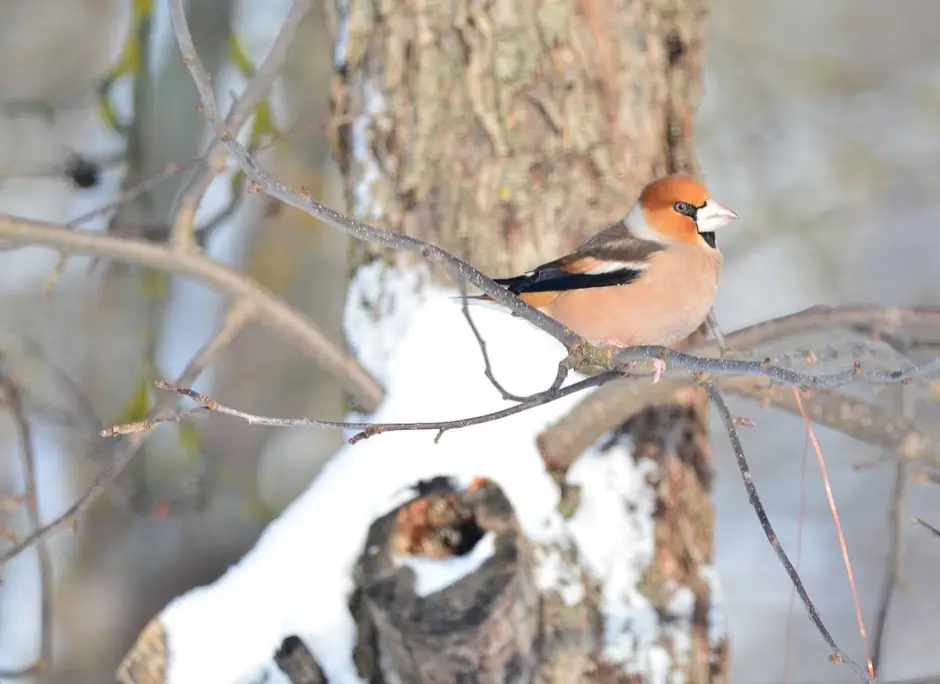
713, 216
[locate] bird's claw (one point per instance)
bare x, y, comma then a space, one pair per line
659, 367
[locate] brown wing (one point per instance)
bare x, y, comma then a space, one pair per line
617, 243
612, 257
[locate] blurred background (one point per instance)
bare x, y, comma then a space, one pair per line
820, 126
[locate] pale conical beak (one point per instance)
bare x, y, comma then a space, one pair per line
713, 216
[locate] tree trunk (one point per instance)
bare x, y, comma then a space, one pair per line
507, 132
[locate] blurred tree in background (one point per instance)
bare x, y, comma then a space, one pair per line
196, 497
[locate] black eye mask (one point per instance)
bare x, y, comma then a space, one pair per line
690, 210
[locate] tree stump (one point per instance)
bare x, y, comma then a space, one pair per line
507, 132
483, 627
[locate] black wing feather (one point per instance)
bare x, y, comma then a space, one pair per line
614, 243
552, 277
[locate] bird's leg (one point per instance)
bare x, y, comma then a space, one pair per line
628, 366
659, 367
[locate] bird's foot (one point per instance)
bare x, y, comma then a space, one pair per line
659, 367
612, 342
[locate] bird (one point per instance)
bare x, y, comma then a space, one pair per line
648, 279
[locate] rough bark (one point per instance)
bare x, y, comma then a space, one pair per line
508, 131
297, 663
482, 628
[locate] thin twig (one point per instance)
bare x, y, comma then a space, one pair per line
800, 508
898, 512
487, 366
210, 405
827, 484
184, 218
237, 317
283, 318
856, 418
754, 498
712, 321
14, 402
271, 310
602, 411
924, 523
358, 229
61, 378
582, 353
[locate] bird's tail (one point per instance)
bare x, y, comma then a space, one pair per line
486, 300
478, 301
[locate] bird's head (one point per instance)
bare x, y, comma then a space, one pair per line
678, 209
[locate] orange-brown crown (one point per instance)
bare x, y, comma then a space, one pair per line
659, 200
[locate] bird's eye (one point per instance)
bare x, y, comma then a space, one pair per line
685, 209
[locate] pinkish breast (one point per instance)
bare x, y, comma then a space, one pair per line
665, 305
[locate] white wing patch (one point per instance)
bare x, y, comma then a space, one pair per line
613, 266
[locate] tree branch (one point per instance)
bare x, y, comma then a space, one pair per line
926, 525
268, 308
238, 316
210, 405
602, 411
182, 233
754, 498
581, 353
12, 398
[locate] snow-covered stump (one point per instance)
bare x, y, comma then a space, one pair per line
483, 627
297, 663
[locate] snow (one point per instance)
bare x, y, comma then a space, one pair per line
296, 580
433, 574
380, 303
365, 201
615, 513
342, 35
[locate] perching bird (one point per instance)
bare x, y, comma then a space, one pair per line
648, 279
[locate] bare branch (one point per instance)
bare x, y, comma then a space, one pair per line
238, 316
754, 498
13, 401
560, 445
560, 376
924, 523
861, 420
362, 231
269, 309
875, 318
582, 354
183, 229
61, 378
908, 405
602, 411
210, 405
